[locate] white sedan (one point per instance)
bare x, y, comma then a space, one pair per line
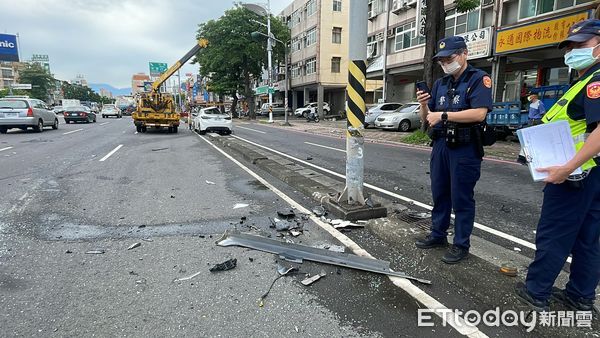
211, 120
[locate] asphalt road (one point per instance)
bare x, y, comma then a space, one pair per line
104, 187
507, 199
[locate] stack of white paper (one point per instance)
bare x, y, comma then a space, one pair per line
547, 145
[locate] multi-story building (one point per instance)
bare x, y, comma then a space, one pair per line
137, 82
8, 74
513, 40
79, 80
105, 93
318, 51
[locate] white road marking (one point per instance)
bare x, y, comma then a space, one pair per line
72, 131
104, 123
326, 147
258, 131
404, 198
3, 149
457, 322
111, 153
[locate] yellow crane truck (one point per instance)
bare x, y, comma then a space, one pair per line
156, 109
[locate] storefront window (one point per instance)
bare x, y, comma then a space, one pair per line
557, 76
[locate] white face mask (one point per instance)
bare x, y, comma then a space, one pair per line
451, 68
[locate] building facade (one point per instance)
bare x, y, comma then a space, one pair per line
513, 40
318, 51
8, 74
137, 82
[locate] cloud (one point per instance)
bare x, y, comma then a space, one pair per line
109, 40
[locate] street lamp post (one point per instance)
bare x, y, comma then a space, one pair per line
262, 11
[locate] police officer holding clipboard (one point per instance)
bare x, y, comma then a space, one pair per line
570, 218
455, 108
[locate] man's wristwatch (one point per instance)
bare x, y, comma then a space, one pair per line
444, 116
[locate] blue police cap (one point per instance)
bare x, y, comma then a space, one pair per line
449, 46
582, 31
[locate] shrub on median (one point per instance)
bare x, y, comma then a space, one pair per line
417, 137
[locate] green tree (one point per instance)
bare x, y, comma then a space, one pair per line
435, 28
41, 80
232, 58
6, 92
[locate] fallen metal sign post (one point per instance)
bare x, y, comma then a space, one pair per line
298, 253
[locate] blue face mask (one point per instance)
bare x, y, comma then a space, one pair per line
581, 58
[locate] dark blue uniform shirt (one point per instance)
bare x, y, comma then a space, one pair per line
586, 104
473, 89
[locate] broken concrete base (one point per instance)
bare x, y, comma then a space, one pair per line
355, 212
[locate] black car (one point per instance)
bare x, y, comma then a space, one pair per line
79, 114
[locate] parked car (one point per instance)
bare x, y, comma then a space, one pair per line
23, 113
278, 109
79, 114
404, 118
212, 120
374, 111
311, 107
111, 111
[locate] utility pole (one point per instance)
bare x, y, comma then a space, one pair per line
355, 103
285, 105
270, 56
385, 50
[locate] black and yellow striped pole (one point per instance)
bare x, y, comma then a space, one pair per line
355, 103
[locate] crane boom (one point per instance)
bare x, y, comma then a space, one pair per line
202, 43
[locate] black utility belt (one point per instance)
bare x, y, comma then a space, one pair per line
455, 134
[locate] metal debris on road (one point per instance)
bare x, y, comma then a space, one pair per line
295, 233
282, 271
159, 149
148, 239
95, 252
134, 245
172, 196
227, 265
187, 278
346, 224
309, 158
308, 281
301, 252
68, 251
282, 225
319, 211
210, 183
240, 205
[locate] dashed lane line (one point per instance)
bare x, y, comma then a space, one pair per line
254, 130
111, 153
6, 148
326, 147
72, 131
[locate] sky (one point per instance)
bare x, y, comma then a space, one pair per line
107, 41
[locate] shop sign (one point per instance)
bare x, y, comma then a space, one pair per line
536, 34
478, 43
422, 16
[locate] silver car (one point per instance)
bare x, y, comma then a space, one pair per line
374, 111
403, 119
23, 112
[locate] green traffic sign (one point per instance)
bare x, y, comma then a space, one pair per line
262, 90
157, 68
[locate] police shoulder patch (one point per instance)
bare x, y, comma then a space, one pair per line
593, 90
487, 81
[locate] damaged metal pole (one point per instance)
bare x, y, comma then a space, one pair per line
355, 103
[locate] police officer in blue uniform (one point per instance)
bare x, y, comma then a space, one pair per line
455, 109
570, 217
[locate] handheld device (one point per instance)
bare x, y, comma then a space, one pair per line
422, 86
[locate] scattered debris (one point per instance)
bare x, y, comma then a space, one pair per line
133, 273
147, 239
251, 259
172, 196
298, 252
336, 248
295, 233
508, 270
319, 211
95, 252
282, 271
309, 158
396, 189
347, 224
134, 245
308, 281
141, 226
159, 149
361, 222
240, 205
505, 209
227, 265
187, 278
201, 236
517, 249
210, 183
287, 213
68, 252
282, 225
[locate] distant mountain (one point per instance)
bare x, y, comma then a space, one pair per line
115, 91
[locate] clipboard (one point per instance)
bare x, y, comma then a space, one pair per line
547, 145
